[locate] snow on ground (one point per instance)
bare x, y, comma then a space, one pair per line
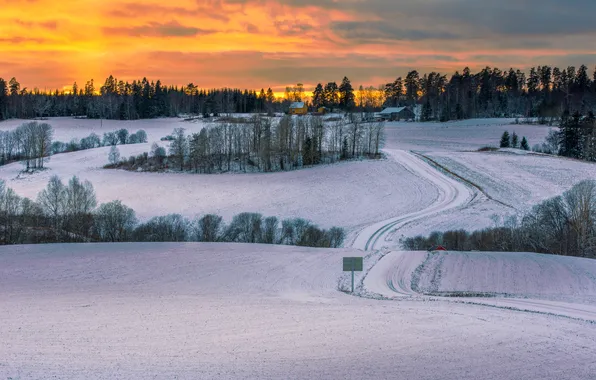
556, 285
349, 194
67, 128
502, 183
352, 195
452, 195
520, 181
528, 275
226, 311
461, 135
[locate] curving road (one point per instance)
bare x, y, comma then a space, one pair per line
452, 195
396, 274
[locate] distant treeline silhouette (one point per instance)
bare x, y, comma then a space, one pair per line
543, 92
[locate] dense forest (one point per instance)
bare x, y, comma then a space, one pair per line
69, 213
261, 144
563, 225
543, 92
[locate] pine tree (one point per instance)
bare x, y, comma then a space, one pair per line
524, 144
505, 140
459, 112
331, 95
570, 145
514, 140
318, 96
307, 152
427, 111
346, 94
412, 87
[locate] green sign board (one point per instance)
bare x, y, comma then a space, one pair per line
352, 264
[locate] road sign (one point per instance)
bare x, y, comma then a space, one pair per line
353, 264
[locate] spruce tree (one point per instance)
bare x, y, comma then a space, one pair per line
505, 141
570, 145
346, 94
307, 149
459, 112
524, 144
514, 140
318, 96
427, 111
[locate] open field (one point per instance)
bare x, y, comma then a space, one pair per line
353, 195
517, 180
350, 194
461, 135
67, 128
189, 311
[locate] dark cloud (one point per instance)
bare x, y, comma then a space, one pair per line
154, 29
251, 28
156, 10
364, 31
520, 17
478, 18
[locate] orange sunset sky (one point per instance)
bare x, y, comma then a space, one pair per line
273, 43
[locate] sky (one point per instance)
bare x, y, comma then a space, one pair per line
252, 44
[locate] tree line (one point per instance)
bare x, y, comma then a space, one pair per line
563, 225
119, 137
575, 138
543, 92
31, 143
69, 213
139, 99
512, 141
262, 144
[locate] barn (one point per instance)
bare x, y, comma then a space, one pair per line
298, 108
397, 114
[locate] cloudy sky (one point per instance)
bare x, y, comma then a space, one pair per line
274, 43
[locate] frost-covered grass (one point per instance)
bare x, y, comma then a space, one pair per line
228, 311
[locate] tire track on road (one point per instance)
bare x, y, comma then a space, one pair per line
452, 194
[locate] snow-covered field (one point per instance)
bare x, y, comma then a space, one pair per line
186, 311
461, 135
351, 195
67, 128
226, 311
517, 180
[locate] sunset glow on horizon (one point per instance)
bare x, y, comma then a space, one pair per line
277, 43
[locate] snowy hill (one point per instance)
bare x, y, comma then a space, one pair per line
188, 311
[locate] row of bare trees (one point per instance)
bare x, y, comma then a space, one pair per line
31, 143
563, 225
265, 144
69, 213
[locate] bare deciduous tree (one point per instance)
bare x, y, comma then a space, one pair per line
114, 221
